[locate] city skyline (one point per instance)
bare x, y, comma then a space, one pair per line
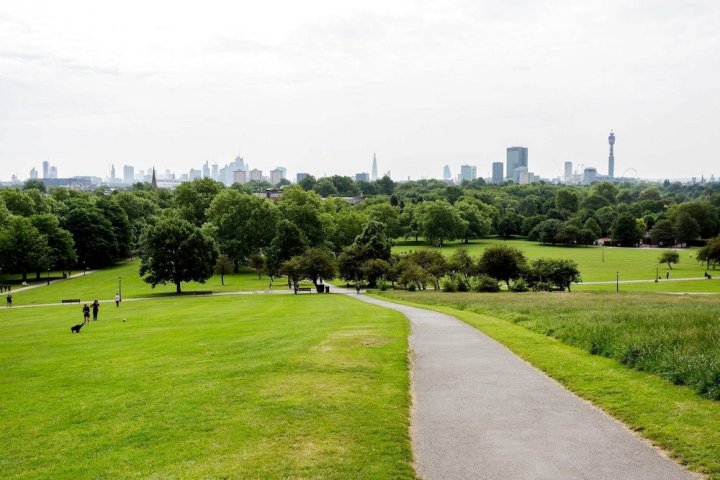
326, 85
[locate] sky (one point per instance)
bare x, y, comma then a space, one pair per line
319, 86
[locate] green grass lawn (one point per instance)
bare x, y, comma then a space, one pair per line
218, 387
671, 336
103, 284
596, 263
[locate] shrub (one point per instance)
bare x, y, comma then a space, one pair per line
519, 285
383, 284
448, 284
484, 283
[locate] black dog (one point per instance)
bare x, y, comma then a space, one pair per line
76, 328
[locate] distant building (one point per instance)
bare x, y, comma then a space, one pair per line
53, 172
112, 173
195, 174
255, 175
468, 173
215, 172
518, 172
362, 177
128, 174
240, 176
611, 158
568, 172
46, 169
447, 174
206, 170
524, 176
33, 173
374, 175
497, 173
276, 176
300, 176
589, 175
516, 157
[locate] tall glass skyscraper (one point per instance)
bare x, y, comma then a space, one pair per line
516, 157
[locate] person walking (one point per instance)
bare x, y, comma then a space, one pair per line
86, 314
9, 300
667, 275
357, 288
95, 308
117, 299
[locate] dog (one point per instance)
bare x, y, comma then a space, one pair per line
76, 328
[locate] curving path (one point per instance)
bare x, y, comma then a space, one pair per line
480, 412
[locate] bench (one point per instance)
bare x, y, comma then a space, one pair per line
71, 300
304, 289
203, 292
24, 284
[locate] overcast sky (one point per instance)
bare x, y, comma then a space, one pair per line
318, 86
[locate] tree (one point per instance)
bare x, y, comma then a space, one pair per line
566, 200
461, 262
371, 244
558, 272
439, 221
710, 253
176, 251
626, 231
568, 234
34, 183
317, 265
288, 242
374, 269
94, 235
325, 187
663, 233
192, 199
61, 246
509, 224
433, 263
669, 257
346, 225
546, 232
244, 224
122, 230
592, 225
502, 262
307, 183
686, 227
223, 266
257, 263
22, 248
304, 210
477, 224
388, 216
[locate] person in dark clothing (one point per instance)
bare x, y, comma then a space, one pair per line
9, 300
86, 314
95, 308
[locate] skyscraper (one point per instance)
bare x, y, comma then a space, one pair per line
497, 173
276, 176
128, 174
300, 176
568, 172
46, 169
33, 173
447, 175
611, 159
374, 176
205, 170
112, 173
468, 172
516, 157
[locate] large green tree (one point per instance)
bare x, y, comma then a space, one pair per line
61, 246
502, 263
192, 199
176, 251
626, 230
23, 249
439, 221
243, 224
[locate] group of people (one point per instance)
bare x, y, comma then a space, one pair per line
5, 288
95, 307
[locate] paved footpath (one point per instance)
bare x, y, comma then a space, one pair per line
480, 412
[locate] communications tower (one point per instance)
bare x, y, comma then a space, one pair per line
611, 159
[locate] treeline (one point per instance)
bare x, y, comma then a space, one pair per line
66, 229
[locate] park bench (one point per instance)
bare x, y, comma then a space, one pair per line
71, 300
24, 284
203, 292
304, 289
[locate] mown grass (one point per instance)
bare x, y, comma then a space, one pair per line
103, 284
673, 417
221, 387
595, 263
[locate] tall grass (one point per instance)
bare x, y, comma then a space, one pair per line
677, 338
